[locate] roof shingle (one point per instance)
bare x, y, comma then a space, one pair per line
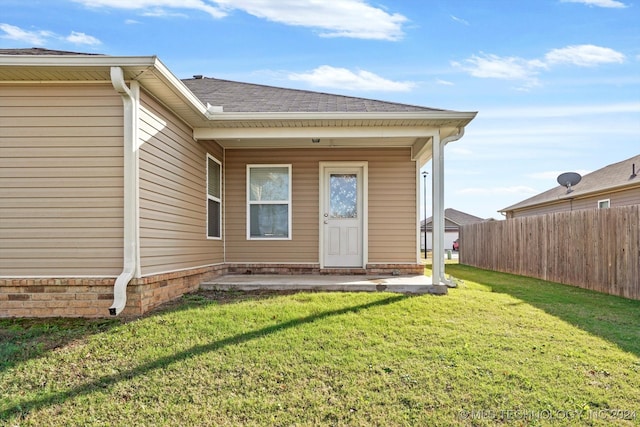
40, 51
238, 97
453, 219
609, 177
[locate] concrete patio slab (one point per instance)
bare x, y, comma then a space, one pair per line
309, 282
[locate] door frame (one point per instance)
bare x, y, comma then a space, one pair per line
364, 166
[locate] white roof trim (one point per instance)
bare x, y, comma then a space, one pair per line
409, 115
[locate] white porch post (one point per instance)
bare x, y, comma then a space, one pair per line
437, 183
437, 165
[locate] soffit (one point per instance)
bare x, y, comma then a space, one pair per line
152, 75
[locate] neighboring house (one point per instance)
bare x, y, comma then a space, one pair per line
124, 186
615, 185
453, 220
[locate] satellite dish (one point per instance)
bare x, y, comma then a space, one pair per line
569, 179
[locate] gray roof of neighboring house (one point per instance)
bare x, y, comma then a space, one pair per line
615, 176
40, 51
240, 97
453, 219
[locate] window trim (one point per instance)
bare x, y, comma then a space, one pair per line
213, 198
288, 202
607, 201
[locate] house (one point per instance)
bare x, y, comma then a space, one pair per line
617, 184
122, 186
453, 220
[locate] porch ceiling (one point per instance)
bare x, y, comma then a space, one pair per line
359, 130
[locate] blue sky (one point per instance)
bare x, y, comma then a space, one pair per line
556, 83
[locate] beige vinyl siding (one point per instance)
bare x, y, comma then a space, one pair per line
60, 180
173, 233
392, 209
630, 196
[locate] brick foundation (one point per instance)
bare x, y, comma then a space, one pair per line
93, 297
80, 297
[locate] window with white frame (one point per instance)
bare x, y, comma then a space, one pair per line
604, 204
269, 202
214, 198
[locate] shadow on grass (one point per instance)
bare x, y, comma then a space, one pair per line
22, 339
613, 318
109, 380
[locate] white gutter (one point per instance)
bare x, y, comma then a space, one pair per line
131, 267
438, 274
447, 116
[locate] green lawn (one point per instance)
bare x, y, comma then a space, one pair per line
497, 349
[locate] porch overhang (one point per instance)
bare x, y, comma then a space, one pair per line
337, 130
414, 129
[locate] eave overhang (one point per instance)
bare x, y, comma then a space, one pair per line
333, 129
414, 129
153, 76
573, 196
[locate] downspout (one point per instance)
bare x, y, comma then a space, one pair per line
130, 99
438, 207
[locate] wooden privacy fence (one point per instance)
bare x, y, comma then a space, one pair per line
597, 249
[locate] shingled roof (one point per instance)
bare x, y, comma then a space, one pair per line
615, 176
453, 220
237, 97
40, 51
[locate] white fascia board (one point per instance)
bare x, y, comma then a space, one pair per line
77, 61
314, 131
343, 116
179, 87
127, 63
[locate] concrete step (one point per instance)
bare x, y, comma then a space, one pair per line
399, 284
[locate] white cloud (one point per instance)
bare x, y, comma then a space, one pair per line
460, 20
342, 78
82, 38
599, 3
444, 82
585, 55
526, 71
495, 191
41, 38
163, 13
504, 68
335, 18
156, 6
548, 111
35, 38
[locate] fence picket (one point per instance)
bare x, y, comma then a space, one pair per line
597, 249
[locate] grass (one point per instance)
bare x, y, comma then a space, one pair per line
498, 349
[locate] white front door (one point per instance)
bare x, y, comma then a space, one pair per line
342, 216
